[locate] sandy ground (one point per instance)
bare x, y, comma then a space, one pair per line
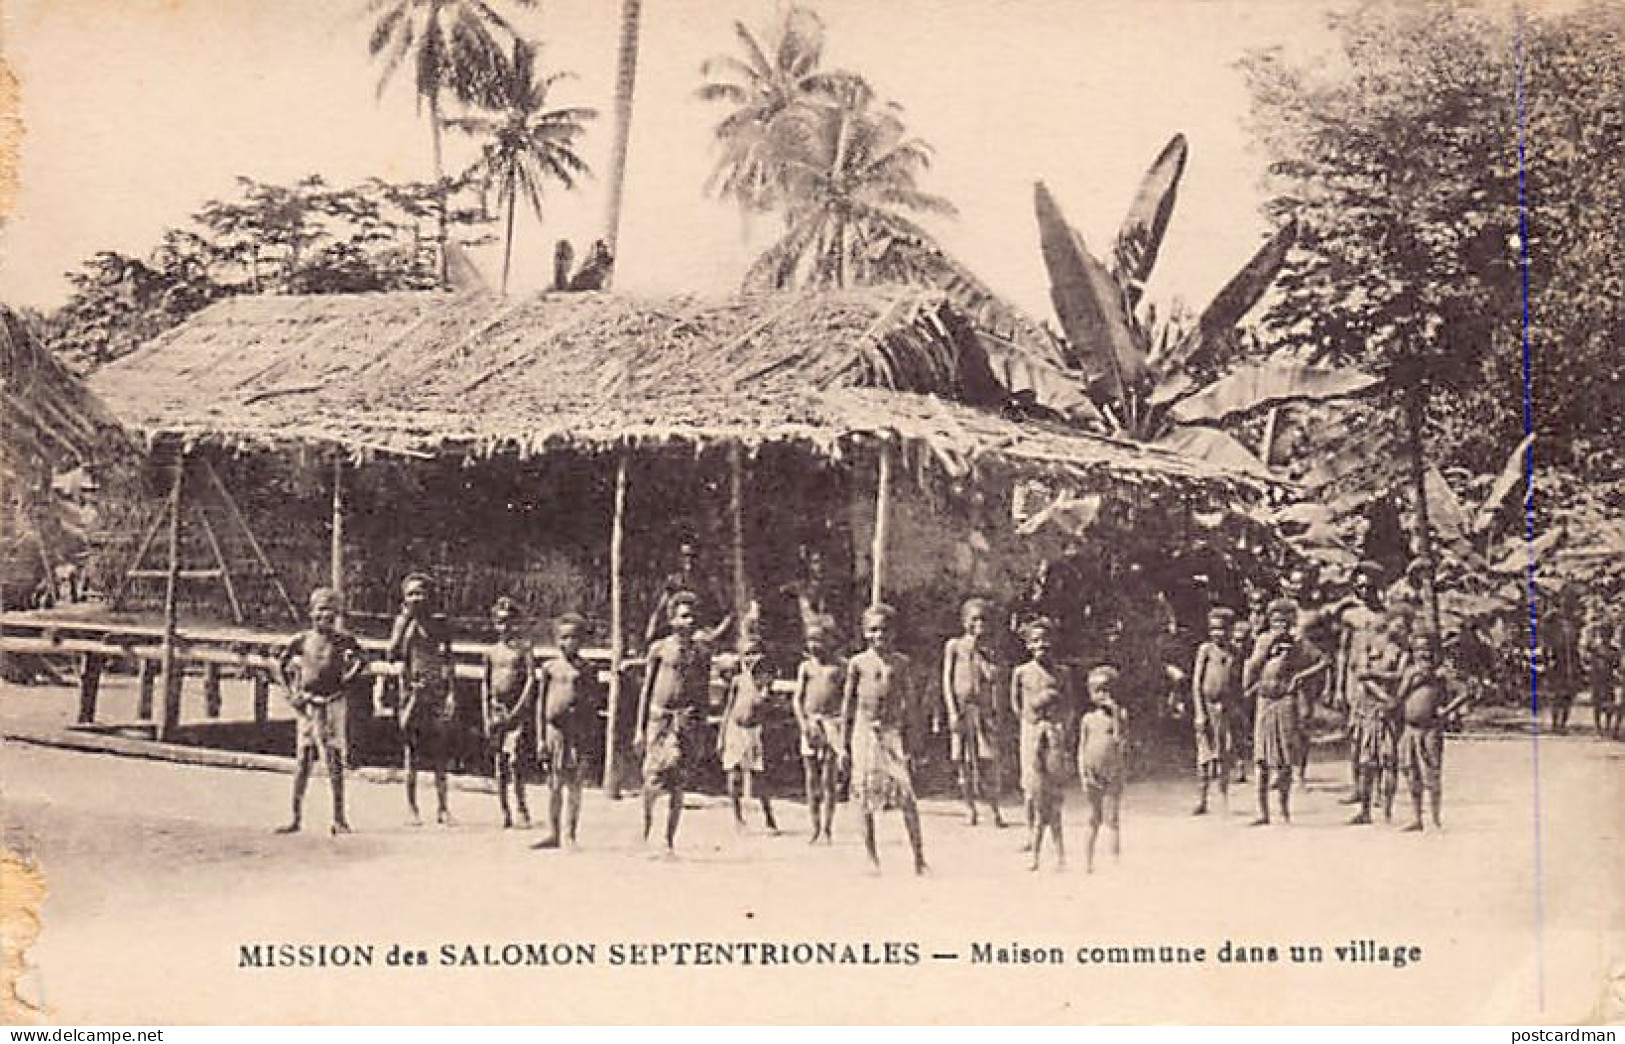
158, 874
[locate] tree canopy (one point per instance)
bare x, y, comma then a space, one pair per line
308, 237
1403, 160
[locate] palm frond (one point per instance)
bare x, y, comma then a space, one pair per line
395, 52
753, 50
385, 29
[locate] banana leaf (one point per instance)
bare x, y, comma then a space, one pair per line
1305, 513
1519, 552
1232, 302
1511, 472
1445, 510
1213, 447
1171, 387
1055, 389
1374, 459
1255, 386
1134, 254
1071, 514
1329, 555
1101, 337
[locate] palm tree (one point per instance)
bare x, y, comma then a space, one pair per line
526, 143
453, 45
626, 76
850, 181
777, 76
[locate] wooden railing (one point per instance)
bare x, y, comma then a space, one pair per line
93, 644
209, 651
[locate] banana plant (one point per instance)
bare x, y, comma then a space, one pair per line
1147, 385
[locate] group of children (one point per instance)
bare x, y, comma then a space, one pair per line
863, 717
860, 717
552, 719
1396, 704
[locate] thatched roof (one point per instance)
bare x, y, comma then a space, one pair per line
430, 373
48, 417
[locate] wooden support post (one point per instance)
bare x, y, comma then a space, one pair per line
877, 553
172, 667
147, 675
225, 571
135, 563
335, 570
262, 697
211, 689
736, 520
90, 680
253, 542
617, 628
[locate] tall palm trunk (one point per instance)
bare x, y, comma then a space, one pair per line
842, 243
442, 235
507, 250
625, 80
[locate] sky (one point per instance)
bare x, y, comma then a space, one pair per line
136, 112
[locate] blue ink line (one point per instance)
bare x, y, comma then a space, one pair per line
1529, 538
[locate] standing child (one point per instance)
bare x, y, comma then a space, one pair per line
507, 685
1373, 735
1602, 658
1041, 696
1241, 640
568, 702
1103, 760
881, 709
1421, 744
1278, 672
676, 688
969, 685
316, 670
428, 707
817, 706
739, 742
1215, 699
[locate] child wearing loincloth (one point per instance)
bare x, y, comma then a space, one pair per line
1103, 760
1421, 743
316, 669
427, 713
739, 741
1275, 725
1041, 696
817, 705
1373, 732
1215, 701
1241, 640
1601, 663
568, 703
880, 706
671, 703
970, 677
507, 685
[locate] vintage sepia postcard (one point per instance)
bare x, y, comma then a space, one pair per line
812, 512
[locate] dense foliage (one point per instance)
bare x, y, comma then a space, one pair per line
1404, 161
309, 237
